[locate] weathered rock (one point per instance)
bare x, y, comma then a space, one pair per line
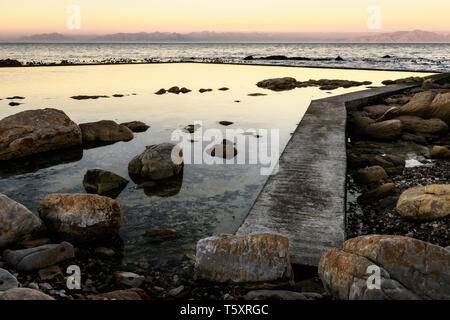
417, 138
418, 125
385, 130
370, 175
425, 203
162, 235
24, 294
377, 194
281, 295
278, 84
39, 257
50, 273
398, 99
391, 164
106, 131
87, 97
440, 107
202, 90
176, 291
103, 182
440, 152
136, 126
16, 222
36, 131
419, 105
174, 89
157, 162
129, 294
224, 150
161, 91
376, 111
81, 217
129, 279
7, 280
358, 124
244, 259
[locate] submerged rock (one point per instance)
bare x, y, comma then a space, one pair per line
36, 131
224, 150
24, 294
39, 257
103, 182
105, 131
162, 235
81, 217
425, 203
244, 259
16, 222
157, 162
278, 84
86, 97
136, 126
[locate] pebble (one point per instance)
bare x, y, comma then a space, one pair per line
176, 291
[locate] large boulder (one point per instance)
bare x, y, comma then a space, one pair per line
103, 182
39, 257
105, 131
409, 269
370, 175
244, 259
376, 111
385, 130
81, 217
425, 203
419, 125
17, 223
278, 84
418, 105
157, 162
24, 294
440, 107
36, 131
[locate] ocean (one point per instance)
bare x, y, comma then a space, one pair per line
412, 57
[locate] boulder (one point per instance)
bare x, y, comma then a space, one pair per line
39, 257
129, 279
136, 126
157, 162
385, 130
439, 152
103, 182
244, 259
427, 126
7, 280
105, 131
24, 294
278, 84
36, 131
50, 273
398, 99
130, 294
377, 194
358, 123
419, 105
425, 203
376, 111
81, 217
17, 223
370, 175
440, 107
417, 138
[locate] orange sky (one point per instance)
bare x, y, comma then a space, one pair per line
103, 16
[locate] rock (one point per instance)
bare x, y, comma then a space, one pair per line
385, 130
16, 222
417, 138
23, 294
391, 164
224, 89
224, 150
39, 257
389, 114
105, 252
162, 235
156, 162
191, 128
176, 291
278, 84
45, 286
86, 97
418, 125
50, 273
377, 194
398, 99
339, 58
376, 111
10, 63
425, 203
175, 90
105, 131
161, 91
7, 280
129, 279
439, 152
370, 175
136, 126
257, 94
226, 123
244, 259
81, 217
440, 107
281, 295
388, 82
14, 104
358, 124
246, 58
130, 294
36, 131
103, 182
419, 105
33, 285
33, 243
204, 90
118, 95
185, 90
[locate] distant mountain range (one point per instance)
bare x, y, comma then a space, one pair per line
416, 36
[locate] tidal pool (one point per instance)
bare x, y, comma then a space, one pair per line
206, 199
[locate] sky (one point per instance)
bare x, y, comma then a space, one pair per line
26, 17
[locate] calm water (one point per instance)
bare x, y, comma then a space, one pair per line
207, 199
433, 57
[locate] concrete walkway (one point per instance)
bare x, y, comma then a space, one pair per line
305, 201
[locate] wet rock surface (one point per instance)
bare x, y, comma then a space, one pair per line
105, 131
136, 126
103, 182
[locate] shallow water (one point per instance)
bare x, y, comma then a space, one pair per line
207, 199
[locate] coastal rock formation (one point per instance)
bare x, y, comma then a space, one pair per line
377, 194
418, 105
157, 162
244, 259
409, 269
136, 126
425, 203
16, 222
103, 182
440, 107
376, 111
39, 257
24, 294
418, 125
440, 152
105, 131
358, 123
370, 175
385, 130
7, 280
278, 84
36, 131
224, 150
81, 217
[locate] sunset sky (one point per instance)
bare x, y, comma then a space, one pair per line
25, 17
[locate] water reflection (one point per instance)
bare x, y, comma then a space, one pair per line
160, 188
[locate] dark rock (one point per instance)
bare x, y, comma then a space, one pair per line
85, 97
161, 91
105, 131
136, 126
226, 123
103, 182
